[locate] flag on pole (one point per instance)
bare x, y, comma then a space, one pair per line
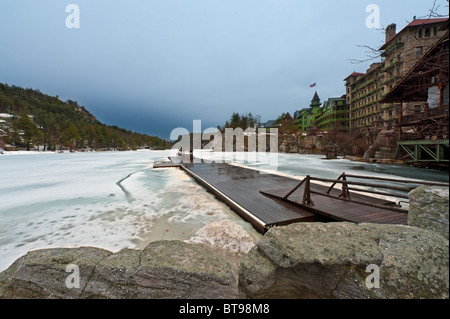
313, 85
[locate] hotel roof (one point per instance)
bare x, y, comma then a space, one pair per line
415, 23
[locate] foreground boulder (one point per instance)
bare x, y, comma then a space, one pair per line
165, 269
428, 208
315, 260
42, 273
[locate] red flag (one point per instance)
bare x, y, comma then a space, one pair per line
313, 85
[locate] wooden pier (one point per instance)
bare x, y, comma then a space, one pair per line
267, 200
240, 189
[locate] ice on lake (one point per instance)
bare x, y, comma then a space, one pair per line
112, 200
116, 200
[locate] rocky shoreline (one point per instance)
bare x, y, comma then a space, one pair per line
304, 260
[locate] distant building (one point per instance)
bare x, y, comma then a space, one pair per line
334, 114
400, 53
349, 80
288, 118
364, 107
305, 118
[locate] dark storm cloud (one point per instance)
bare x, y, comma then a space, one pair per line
152, 66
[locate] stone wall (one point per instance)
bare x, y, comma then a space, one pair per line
288, 144
384, 146
313, 144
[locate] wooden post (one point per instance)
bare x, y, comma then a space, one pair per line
426, 111
334, 184
441, 88
345, 192
400, 120
307, 193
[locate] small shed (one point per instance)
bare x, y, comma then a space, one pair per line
331, 150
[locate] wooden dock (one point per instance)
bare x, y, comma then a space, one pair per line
343, 210
260, 199
167, 164
240, 189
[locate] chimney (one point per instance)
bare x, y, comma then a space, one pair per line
390, 31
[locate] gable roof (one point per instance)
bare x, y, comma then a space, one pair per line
419, 22
415, 23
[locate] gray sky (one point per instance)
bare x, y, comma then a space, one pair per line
154, 65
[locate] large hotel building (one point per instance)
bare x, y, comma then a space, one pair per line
399, 54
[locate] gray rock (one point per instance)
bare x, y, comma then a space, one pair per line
165, 269
384, 146
429, 209
42, 273
315, 260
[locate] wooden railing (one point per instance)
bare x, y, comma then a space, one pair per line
345, 189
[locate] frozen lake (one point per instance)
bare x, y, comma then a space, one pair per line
75, 199
115, 200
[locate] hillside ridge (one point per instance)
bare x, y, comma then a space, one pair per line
30, 119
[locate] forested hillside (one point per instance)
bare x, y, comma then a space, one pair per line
29, 118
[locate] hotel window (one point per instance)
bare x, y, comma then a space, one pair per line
419, 51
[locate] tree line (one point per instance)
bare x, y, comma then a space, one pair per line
32, 119
244, 121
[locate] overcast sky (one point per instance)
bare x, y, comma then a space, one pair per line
154, 65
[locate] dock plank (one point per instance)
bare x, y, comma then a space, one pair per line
242, 186
258, 197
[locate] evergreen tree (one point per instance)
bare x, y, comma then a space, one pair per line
27, 132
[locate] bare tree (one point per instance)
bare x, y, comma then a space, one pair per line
373, 53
